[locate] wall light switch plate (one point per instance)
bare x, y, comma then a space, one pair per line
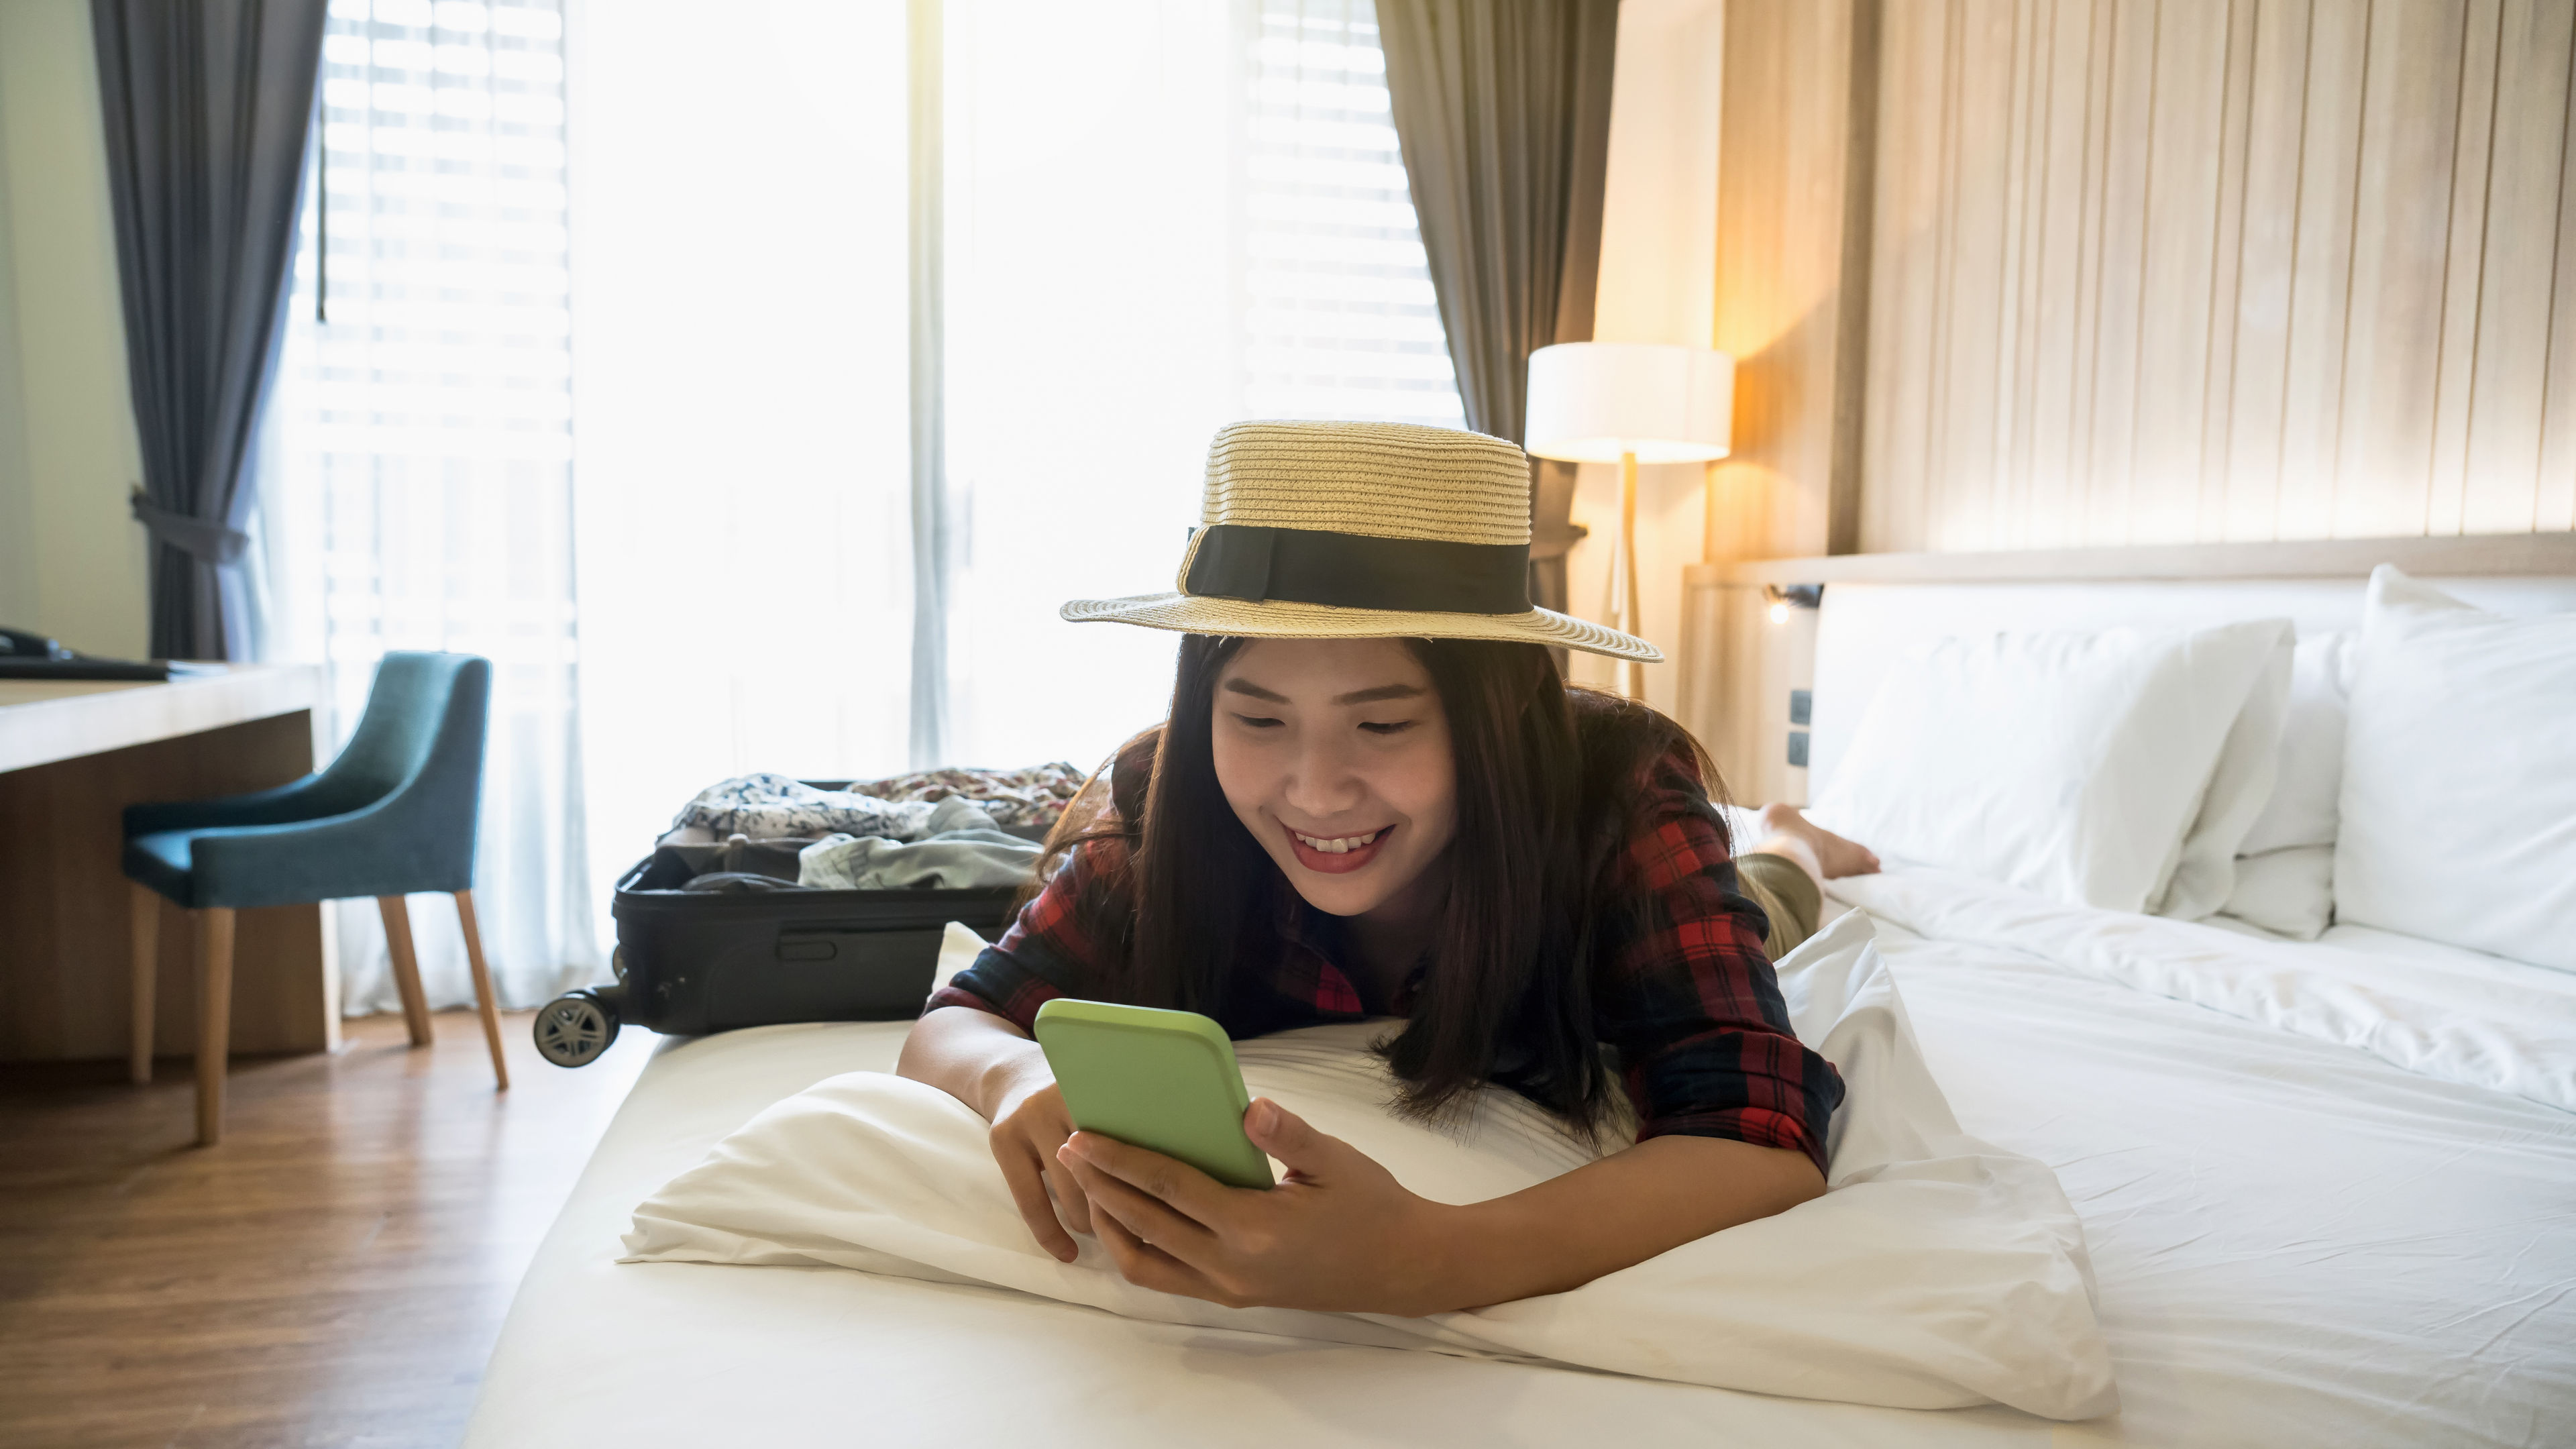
1802, 706
1798, 748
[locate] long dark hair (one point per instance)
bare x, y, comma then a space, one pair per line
1548, 779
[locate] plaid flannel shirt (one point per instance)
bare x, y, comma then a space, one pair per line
1687, 998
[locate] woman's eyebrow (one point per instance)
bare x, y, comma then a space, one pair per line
1357, 696
1382, 692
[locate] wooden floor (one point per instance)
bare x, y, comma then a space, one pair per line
333, 1274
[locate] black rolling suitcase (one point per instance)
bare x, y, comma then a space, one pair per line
693, 962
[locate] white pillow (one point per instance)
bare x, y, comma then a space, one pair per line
2459, 777
2285, 864
1937, 1272
2066, 764
2310, 771
2240, 786
2289, 892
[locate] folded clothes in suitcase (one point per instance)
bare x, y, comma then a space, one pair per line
713, 935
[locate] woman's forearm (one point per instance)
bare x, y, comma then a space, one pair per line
980, 1059
1612, 1214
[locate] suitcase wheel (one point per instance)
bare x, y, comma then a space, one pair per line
575, 1028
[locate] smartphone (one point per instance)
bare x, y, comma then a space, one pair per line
1161, 1080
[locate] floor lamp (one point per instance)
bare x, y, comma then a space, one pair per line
1629, 403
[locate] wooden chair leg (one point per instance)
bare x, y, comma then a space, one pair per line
214, 1018
143, 921
406, 967
483, 1001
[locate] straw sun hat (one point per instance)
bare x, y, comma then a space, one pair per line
1361, 531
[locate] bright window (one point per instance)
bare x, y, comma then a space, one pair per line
1163, 216
415, 488
608, 303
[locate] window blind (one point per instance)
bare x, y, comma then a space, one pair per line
415, 477
432, 283
1340, 319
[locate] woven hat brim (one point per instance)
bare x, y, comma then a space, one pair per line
1284, 619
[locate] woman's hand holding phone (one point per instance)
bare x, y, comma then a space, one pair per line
1030, 1127
988, 1063
1338, 1234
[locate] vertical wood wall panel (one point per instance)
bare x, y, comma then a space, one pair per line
2457, 348
2226, 279
2512, 365
2086, 111
2059, 276
2321, 280
2267, 269
2179, 220
2554, 489
2014, 301
2401, 223
2153, 271
1950, 96
1978, 220
2022, 141
1783, 296
2498, 487
2119, 298
1905, 234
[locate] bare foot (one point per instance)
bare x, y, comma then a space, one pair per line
1828, 855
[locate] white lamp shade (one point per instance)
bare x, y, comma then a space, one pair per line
1589, 402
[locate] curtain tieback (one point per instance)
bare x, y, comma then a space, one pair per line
203, 540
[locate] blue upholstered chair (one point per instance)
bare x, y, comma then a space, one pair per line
394, 814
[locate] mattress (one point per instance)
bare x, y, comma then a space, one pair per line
2295, 1241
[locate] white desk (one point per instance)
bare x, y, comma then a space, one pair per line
72, 756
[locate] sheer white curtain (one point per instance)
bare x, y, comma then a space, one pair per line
414, 465
1163, 215
741, 353
1091, 351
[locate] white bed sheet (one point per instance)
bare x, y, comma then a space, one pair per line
2295, 1242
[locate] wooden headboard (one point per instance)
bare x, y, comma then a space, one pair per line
1738, 665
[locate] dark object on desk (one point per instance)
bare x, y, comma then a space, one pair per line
393, 815
155, 671
713, 938
33, 656
19, 645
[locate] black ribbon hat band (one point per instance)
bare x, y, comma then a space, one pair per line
1356, 571
1299, 512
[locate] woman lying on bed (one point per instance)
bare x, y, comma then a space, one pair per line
1420, 822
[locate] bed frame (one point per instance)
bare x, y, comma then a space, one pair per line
1738, 665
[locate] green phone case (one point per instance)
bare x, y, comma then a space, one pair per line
1162, 1080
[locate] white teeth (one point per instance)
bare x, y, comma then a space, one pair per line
1343, 846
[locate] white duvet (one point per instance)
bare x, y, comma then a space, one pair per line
2454, 1015
1938, 1271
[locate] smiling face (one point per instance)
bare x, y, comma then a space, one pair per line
1335, 754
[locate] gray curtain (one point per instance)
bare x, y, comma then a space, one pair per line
1503, 111
207, 105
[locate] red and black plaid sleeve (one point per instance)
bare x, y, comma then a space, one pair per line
1053, 949
1690, 1001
